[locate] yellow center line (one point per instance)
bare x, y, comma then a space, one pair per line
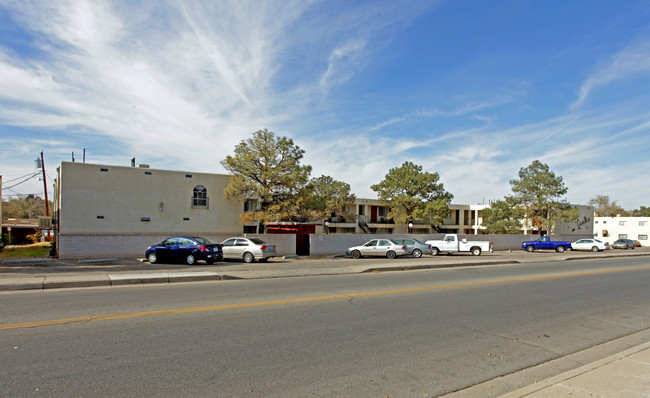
302, 300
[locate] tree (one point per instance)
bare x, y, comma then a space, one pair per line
641, 212
30, 206
604, 208
267, 168
327, 196
537, 191
503, 217
413, 195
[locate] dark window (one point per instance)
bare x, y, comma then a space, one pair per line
200, 197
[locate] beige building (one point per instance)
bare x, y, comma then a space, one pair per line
105, 210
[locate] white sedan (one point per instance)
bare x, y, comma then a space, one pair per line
378, 247
247, 249
590, 244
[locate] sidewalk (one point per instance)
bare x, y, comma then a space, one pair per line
46, 273
624, 375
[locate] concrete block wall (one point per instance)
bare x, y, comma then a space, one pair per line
333, 244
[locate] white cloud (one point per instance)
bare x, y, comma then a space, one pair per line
626, 64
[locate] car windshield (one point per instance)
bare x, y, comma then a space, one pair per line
257, 241
202, 241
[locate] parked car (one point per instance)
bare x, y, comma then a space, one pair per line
247, 249
594, 245
414, 247
377, 247
184, 249
545, 243
623, 244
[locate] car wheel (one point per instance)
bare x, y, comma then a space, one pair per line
435, 251
248, 257
391, 254
476, 251
153, 258
190, 259
530, 249
356, 254
594, 249
559, 249
417, 253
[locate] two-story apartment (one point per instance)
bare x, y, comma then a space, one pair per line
609, 229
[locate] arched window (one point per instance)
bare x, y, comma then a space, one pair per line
200, 197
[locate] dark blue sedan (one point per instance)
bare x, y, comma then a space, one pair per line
184, 249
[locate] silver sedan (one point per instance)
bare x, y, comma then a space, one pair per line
247, 249
378, 247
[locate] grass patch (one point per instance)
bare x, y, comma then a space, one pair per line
27, 251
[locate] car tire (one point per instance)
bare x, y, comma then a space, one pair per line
190, 259
530, 249
356, 254
476, 251
435, 251
248, 257
391, 254
417, 253
594, 249
559, 249
153, 258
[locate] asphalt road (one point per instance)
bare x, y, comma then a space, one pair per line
398, 334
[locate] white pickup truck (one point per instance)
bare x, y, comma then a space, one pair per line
451, 244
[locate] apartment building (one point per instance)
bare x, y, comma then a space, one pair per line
609, 229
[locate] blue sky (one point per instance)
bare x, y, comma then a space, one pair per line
472, 90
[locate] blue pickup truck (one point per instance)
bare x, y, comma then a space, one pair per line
545, 243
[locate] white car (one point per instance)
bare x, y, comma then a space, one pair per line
377, 247
590, 244
247, 249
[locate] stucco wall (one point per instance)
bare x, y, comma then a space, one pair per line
100, 245
116, 199
328, 245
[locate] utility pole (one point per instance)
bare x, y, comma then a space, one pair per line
47, 203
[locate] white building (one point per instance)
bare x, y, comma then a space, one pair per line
609, 229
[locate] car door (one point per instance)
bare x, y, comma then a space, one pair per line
450, 243
165, 252
369, 248
228, 248
579, 244
544, 243
183, 247
241, 247
382, 247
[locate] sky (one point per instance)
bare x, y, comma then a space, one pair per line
471, 90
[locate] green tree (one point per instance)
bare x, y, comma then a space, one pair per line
267, 168
537, 192
30, 206
326, 196
603, 207
641, 212
503, 217
414, 195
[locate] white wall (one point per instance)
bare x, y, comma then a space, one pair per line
636, 228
